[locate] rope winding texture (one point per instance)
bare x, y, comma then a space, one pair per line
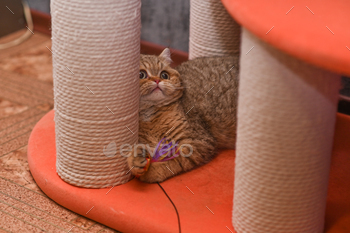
96, 50
213, 32
286, 119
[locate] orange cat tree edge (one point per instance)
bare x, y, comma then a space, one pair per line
311, 31
203, 197
136, 206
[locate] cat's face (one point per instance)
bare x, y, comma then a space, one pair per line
159, 83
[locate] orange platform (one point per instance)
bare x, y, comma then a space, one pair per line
316, 32
203, 197
136, 206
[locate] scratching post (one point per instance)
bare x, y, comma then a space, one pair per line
286, 119
96, 47
212, 30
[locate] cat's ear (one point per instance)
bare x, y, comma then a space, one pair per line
166, 56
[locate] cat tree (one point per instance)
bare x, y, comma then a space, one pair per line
95, 71
213, 32
286, 118
286, 123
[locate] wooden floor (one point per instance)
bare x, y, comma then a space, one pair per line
26, 94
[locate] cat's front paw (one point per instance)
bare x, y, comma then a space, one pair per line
154, 175
138, 162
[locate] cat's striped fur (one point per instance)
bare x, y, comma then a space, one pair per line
202, 83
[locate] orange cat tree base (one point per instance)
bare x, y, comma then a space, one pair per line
203, 197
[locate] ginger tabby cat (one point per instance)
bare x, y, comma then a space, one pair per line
193, 105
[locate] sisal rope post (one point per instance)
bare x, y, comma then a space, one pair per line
96, 51
213, 32
286, 119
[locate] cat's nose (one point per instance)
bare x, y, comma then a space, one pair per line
157, 81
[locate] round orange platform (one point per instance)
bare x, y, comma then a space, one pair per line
315, 32
203, 197
136, 206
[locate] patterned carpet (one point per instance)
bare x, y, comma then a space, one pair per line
26, 94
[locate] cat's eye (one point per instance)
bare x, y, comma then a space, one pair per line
164, 75
143, 74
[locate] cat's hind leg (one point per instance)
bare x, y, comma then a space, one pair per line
191, 156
